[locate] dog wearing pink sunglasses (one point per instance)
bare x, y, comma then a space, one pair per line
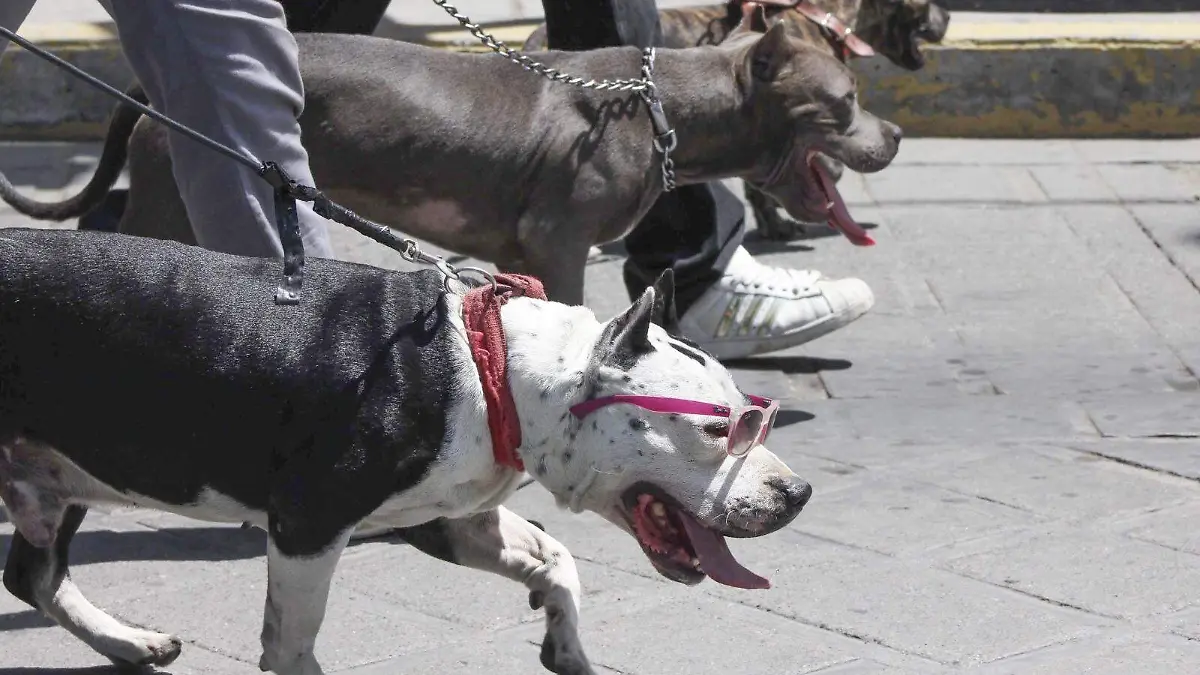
368, 404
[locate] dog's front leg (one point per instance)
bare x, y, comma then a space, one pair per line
297, 590
504, 543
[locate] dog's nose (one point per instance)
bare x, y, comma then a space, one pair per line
897, 133
798, 492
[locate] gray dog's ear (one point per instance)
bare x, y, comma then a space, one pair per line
754, 20
665, 313
769, 55
627, 336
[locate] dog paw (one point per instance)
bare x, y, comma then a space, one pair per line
560, 662
775, 227
147, 648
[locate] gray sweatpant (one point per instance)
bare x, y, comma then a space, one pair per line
228, 69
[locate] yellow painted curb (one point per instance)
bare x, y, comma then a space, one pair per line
1077, 77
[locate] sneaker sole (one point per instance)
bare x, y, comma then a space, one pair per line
740, 348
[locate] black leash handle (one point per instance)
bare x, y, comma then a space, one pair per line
287, 191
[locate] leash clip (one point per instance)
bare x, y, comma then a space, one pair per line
287, 221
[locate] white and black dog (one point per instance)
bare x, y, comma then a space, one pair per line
149, 373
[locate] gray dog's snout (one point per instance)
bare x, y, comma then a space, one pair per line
897, 132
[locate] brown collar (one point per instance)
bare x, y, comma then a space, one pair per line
840, 35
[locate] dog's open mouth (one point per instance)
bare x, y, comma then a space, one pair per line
679, 546
833, 208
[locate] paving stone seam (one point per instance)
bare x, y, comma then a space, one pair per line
1133, 303
1136, 464
1167, 254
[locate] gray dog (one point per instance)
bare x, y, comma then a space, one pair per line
470, 153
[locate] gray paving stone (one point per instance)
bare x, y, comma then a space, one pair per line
981, 184
1073, 183
1147, 416
1176, 229
1180, 457
906, 518
1144, 655
1053, 482
1158, 290
1099, 572
976, 152
223, 613
1174, 528
867, 667
1148, 183
918, 611
978, 419
687, 636
1086, 374
1186, 623
1124, 151
506, 655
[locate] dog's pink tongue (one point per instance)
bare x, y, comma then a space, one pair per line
716, 560
839, 215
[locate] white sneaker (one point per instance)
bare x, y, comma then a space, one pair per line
756, 309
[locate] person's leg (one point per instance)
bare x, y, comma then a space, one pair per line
228, 69
303, 16
359, 17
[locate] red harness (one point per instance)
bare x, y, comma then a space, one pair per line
840, 35
485, 334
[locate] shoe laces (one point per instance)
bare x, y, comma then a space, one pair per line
765, 277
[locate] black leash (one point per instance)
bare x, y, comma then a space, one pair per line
287, 191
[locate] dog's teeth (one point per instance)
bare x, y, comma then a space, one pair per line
696, 563
658, 510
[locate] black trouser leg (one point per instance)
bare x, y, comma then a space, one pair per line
334, 16
692, 230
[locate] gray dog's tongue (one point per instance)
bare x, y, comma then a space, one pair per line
716, 560
839, 216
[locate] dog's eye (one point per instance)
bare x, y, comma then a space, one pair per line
717, 429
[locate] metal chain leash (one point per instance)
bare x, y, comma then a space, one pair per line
664, 135
529, 64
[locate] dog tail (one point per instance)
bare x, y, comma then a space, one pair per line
112, 161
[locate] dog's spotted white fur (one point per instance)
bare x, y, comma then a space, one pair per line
585, 464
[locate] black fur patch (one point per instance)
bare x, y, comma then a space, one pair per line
163, 369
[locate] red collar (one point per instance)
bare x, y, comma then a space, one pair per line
842, 36
481, 316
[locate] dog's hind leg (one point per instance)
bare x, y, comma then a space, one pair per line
504, 543
31, 485
297, 591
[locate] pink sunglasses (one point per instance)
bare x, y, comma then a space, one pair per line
749, 425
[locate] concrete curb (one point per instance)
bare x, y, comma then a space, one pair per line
996, 76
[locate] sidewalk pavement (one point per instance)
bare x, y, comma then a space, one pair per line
1005, 455
997, 75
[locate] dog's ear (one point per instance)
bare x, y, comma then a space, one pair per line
627, 336
754, 20
769, 55
665, 313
